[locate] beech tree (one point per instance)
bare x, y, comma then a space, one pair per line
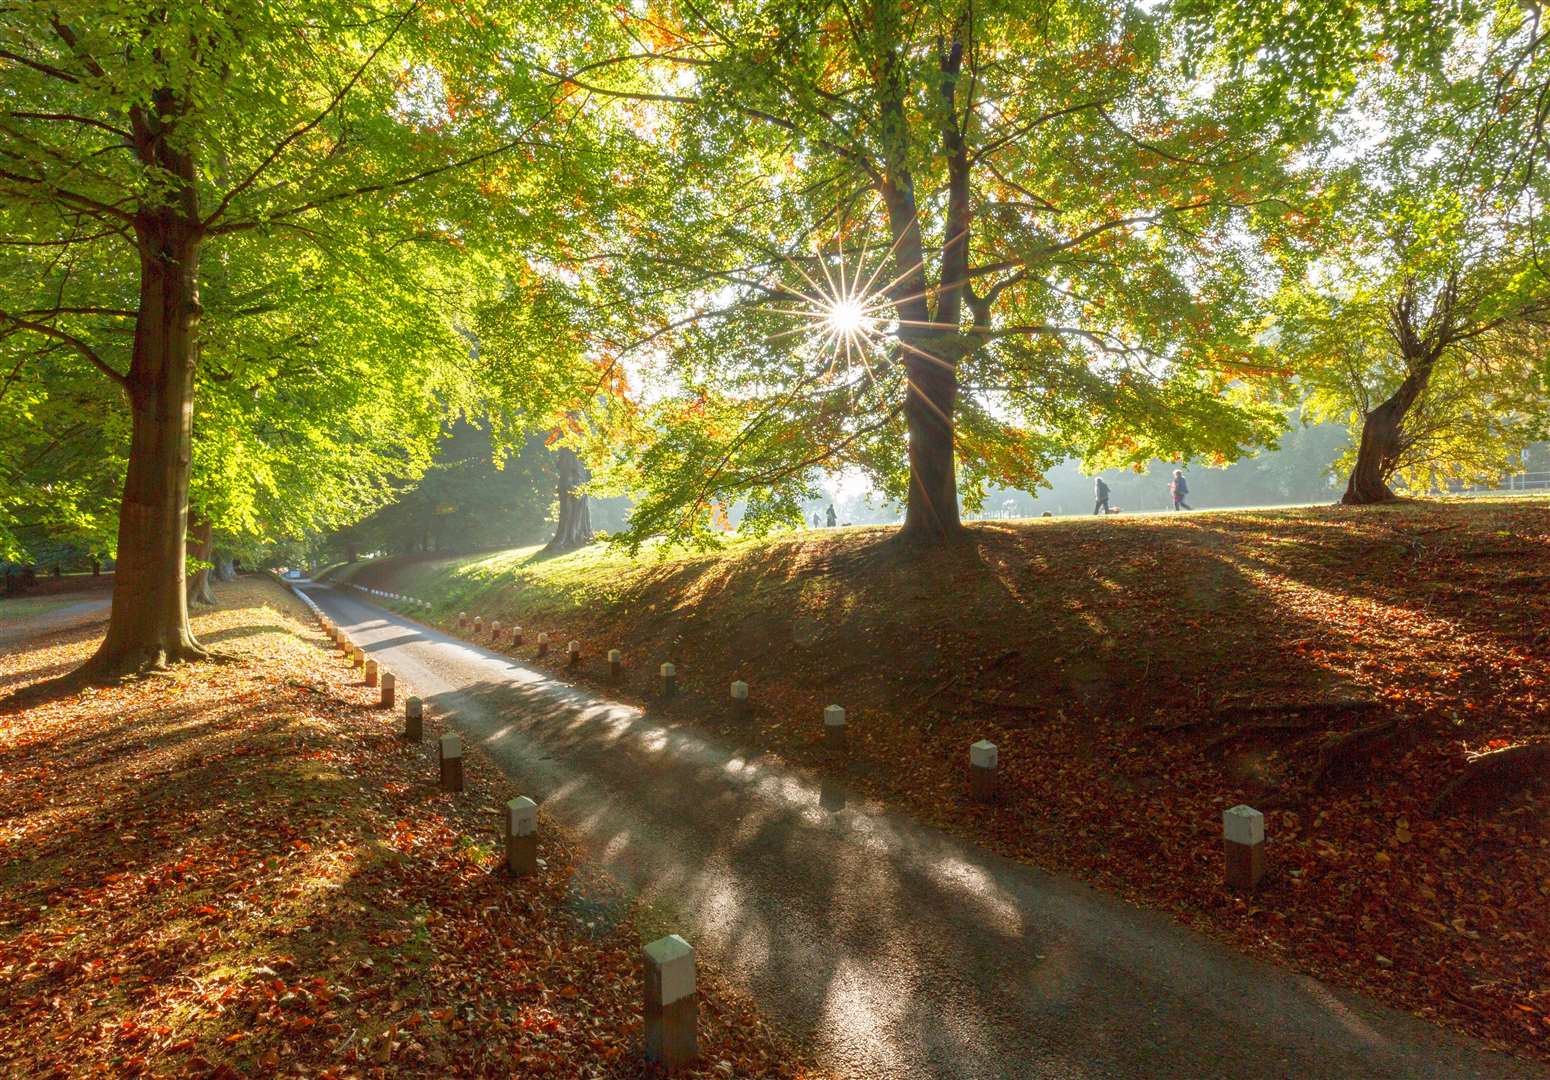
944, 243
143, 141
1419, 316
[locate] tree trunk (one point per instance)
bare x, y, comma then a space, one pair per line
1377, 456
201, 547
225, 568
931, 371
149, 624
574, 529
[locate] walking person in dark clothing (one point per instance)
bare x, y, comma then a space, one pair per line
830, 518
1179, 489
1100, 496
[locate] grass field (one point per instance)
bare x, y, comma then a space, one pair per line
1333, 667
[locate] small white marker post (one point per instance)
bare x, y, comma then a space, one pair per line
360, 657
671, 1005
543, 643
389, 685
451, 751
462, 620
478, 625
669, 680
983, 760
834, 727
495, 631
345, 645
522, 836
372, 667
414, 720
516, 636
573, 653
740, 699
615, 664
1243, 843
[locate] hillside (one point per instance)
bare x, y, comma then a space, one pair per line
1331, 667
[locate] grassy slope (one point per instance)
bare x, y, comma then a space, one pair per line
1131, 670
239, 869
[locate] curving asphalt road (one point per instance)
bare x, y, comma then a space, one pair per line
895, 949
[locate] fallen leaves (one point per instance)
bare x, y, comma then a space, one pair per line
239, 870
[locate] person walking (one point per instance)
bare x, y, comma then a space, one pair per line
1179, 488
830, 518
1100, 496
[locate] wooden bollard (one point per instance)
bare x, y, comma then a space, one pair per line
451, 751
615, 663
671, 1005
360, 657
573, 653
669, 680
834, 727
495, 631
516, 636
372, 667
522, 836
478, 625
346, 646
389, 685
543, 643
739, 698
1243, 843
462, 620
983, 761
414, 720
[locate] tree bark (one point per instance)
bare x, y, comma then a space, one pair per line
574, 528
201, 546
225, 568
931, 370
149, 623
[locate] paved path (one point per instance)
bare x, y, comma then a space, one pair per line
60, 618
898, 950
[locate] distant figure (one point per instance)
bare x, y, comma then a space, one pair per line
1100, 496
830, 518
1179, 489
815, 521
1046, 514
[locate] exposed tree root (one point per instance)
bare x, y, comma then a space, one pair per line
1244, 730
1339, 751
1294, 708
1492, 777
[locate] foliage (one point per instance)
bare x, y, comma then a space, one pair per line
465, 501
1422, 298
1053, 209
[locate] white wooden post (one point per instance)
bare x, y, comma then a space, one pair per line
739, 699
834, 727
669, 680
984, 759
451, 750
389, 685
1243, 844
372, 667
522, 835
573, 653
671, 1003
543, 643
414, 720
615, 664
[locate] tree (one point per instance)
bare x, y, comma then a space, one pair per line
471, 498
947, 244
141, 139
1420, 317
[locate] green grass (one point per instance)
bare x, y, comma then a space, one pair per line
27, 607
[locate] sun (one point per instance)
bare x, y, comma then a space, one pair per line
848, 318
